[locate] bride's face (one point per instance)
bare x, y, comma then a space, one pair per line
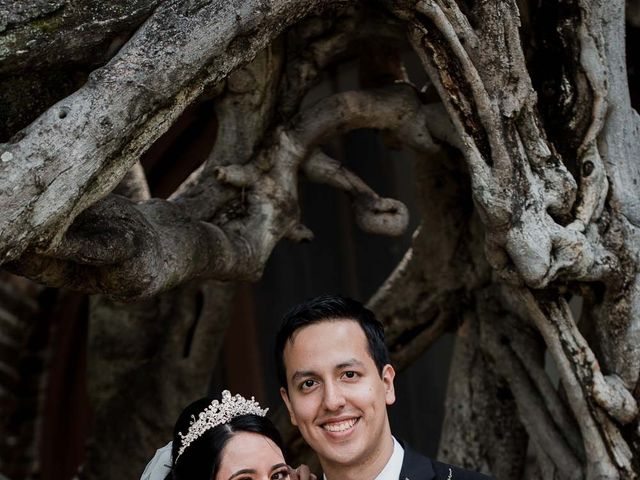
251, 456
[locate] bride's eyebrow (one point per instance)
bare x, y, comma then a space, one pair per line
244, 471
278, 465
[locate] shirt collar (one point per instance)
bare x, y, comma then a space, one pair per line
391, 470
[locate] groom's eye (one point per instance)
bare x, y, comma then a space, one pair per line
350, 374
308, 384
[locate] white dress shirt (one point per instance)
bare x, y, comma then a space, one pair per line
391, 470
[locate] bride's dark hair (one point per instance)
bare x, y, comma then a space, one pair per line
201, 459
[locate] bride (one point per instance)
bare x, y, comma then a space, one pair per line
227, 439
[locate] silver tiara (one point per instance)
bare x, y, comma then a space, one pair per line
218, 413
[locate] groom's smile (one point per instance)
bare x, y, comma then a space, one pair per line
337, 426
336, 395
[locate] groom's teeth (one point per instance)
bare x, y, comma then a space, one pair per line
340, 426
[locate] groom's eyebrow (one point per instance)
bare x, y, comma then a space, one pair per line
302, 374
352, 362
244, 471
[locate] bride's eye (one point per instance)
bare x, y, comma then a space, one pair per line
280, 475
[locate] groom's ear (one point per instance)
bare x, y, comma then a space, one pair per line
285, 397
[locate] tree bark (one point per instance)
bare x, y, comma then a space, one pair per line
529, 150
152, 357
21, 319
482, 429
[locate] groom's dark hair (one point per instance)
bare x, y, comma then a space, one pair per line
330, 308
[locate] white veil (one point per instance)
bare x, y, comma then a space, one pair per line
160, 465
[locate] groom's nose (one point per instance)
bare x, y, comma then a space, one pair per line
333, 398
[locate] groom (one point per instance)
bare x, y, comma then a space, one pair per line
336, 381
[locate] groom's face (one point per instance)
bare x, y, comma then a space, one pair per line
336, 395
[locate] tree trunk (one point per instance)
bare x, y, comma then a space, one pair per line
526, 144
25, 335
154, 356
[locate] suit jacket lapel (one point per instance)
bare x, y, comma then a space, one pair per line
415, 466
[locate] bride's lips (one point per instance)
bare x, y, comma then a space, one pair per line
340, 426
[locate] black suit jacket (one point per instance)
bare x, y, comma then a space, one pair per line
419, 467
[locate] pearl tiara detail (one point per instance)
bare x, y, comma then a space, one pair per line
218, 413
